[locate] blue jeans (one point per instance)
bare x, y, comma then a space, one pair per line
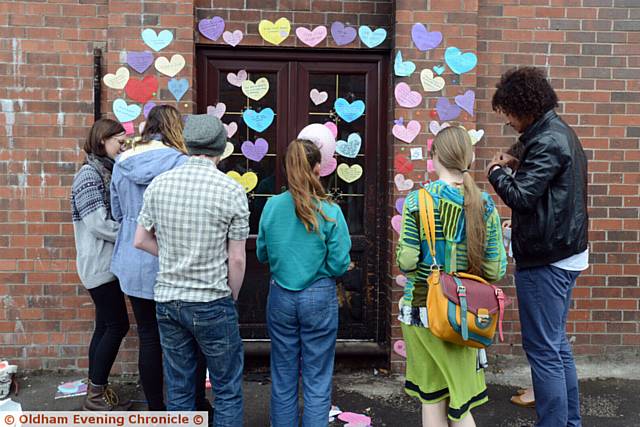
544, 297
213, 327
302, 326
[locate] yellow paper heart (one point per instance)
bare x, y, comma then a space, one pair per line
228, 150
170, 68
429, 82
118, 80
274, 33
349, 173
255, 90
248, 181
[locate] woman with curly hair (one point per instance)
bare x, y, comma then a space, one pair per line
548, 200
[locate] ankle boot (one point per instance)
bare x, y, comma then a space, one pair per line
103, 398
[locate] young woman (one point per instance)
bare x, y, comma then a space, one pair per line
161, 149
305, 240
95, 232
442, 375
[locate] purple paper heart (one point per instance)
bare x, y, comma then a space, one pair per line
211, 28
255, 152
400, 204
446, 110
147, 108
423, 39
140, 61
342, 34
466, 101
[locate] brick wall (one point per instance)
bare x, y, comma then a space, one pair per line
590, 48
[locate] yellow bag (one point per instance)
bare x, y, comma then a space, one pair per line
462, 308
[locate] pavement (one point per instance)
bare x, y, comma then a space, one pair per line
604, 402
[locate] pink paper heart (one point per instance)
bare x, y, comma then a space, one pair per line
236, 79
327, 167
233, 39
231, 128
406, 97
311, 38
400, 348
402, 183
396, 223
407, 133
141, 127
353, 418
429, 144
217, 111
401, 280
128, 128
436, 127
430, 167
333, 128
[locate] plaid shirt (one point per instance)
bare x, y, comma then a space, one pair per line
194, 210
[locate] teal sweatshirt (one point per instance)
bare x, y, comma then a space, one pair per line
298, 258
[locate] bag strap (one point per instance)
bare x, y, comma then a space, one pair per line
428, 222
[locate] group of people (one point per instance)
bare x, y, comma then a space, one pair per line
162, 225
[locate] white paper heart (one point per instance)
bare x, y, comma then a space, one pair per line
475, 135
402, 183
118, 80
228, 150
231, 128
257, 90
233, 39
318, 97
141, 127
170, 68
218, 110
436, 127
236, 79
429, 82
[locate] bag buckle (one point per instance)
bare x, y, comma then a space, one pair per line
499, 293
435, 267
462, 291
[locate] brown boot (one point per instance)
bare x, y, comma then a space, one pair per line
103, 398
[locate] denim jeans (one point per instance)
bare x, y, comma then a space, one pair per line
302, 326
213, 327
544, 297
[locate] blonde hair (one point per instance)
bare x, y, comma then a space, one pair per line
455, 152
304, 185
166, 121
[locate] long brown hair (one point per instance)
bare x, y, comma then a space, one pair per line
101, 130
166, 121
304, 185
455, 152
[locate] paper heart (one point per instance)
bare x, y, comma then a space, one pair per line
141, 90
170, 68
349, 173
128, 128
141, 127
211, 28
327, 167
407, 133
342, 34
217, 111
255, 151
333, 128
423, 39
349, 111
118, 80
257, 90
311, 37
430, 143
228, 150
351, 147
178, 87
157, 41
401, 280
140, 61
231, 128
236, 79
406, 97
318, 97
430, 167
402, 164
436, 127
402, 183
403, 68
446, 110
372, 38
274, 33
248, 181
400, 348
123, 112
353, 418
147, 108
429, 82
232, 39
475, 135
458, 61
466, 101
439, 69
258, 121
400, 204
396, 223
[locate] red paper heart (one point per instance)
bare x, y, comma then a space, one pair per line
402, 164
141, 90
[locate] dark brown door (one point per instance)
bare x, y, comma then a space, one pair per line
291, 76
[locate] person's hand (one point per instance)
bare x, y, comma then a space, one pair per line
510, 161
497, 160
506, 224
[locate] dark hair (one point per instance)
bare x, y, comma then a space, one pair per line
524, 93
101, 130
516, 150
166, 121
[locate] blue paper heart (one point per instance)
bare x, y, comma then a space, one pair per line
460, 62
125, 113
178, 87
403, 68
372, 38
348, 112
439, 69
158, 41
258, 121
351, 147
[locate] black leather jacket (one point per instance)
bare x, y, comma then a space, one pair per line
547, 195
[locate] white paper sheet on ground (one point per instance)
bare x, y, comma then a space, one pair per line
8, 405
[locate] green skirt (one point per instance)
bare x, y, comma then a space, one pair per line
438, 370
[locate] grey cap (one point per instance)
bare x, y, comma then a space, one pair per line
204, 134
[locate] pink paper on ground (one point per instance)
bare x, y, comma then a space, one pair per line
353, 418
